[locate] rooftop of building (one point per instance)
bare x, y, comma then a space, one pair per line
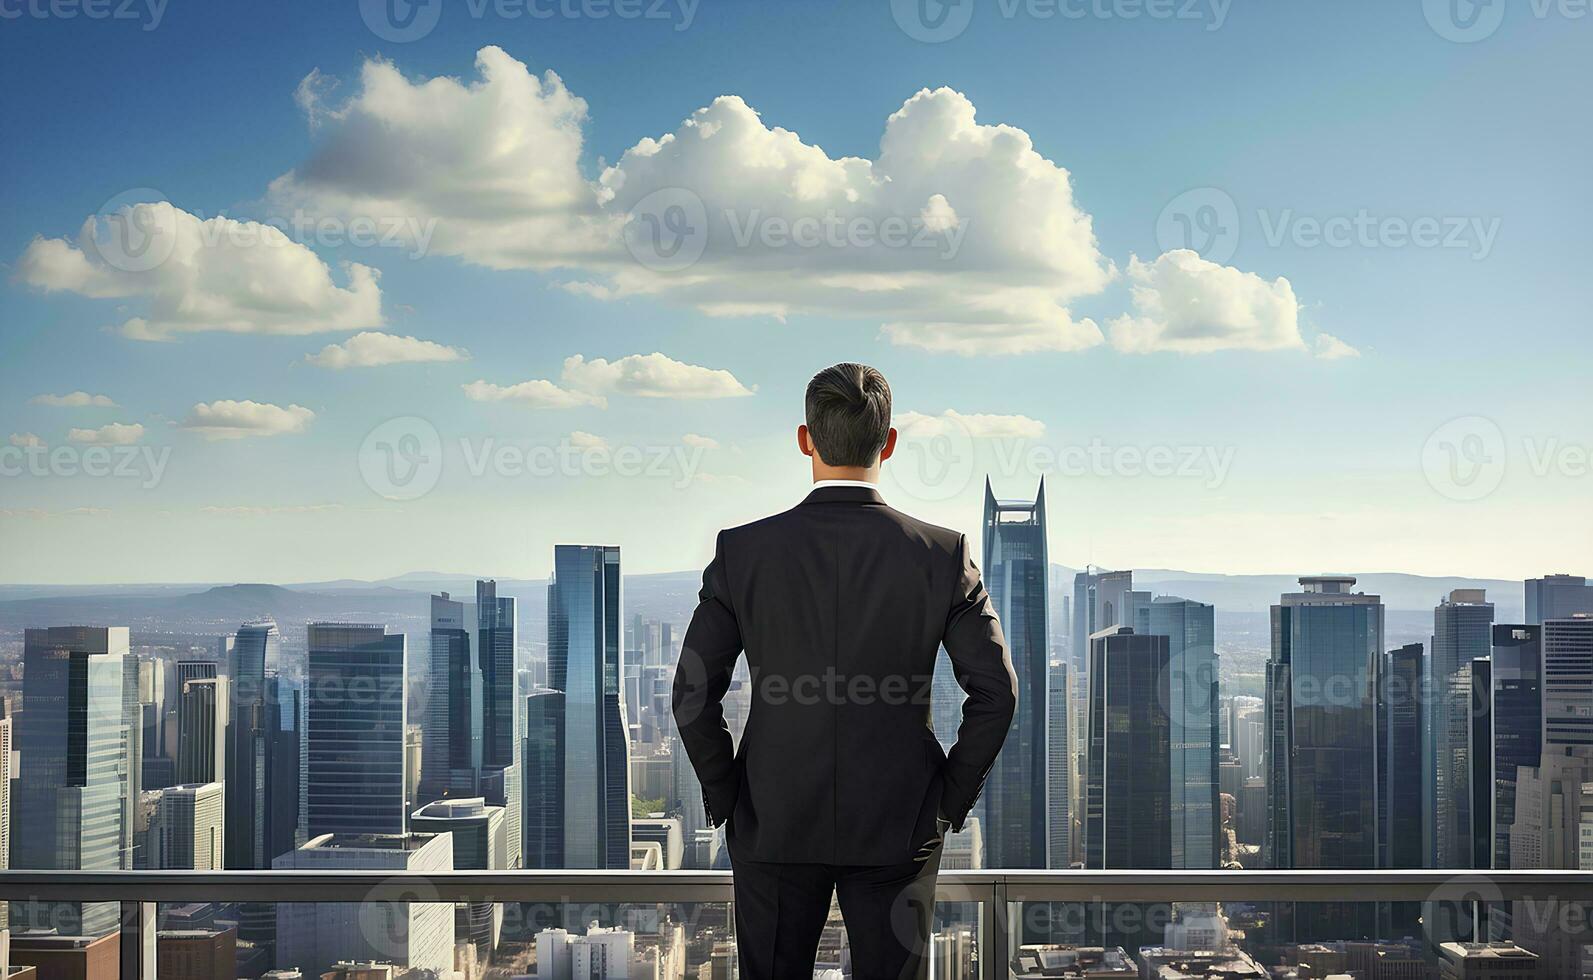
369, 842
454, 808
1487, 951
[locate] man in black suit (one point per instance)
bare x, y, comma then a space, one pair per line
839, 784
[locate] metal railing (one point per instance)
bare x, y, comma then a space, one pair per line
994, 891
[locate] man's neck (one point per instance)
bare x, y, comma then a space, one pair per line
852, 474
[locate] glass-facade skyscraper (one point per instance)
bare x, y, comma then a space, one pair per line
1322, 726
451, 738
1128, 787
1462, 632
250, 745
471, 737
1322, 744
1568, 686
1401, 737
542, 789
1014, 808
1193, 718
356, 723
69, 801
1557, 597
585, 644
1517, 722
1100, 599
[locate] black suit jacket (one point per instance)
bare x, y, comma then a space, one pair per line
841, 605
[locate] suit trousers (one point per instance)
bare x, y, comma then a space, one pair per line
889, 912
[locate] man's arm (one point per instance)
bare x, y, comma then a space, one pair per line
707, 659
983, 668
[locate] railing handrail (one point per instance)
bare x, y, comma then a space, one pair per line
641, 887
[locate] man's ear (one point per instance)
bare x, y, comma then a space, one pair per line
804, 440
890, 446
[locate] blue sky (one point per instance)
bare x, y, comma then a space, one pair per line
1449, 436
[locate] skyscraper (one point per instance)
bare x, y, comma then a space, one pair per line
202, 730
542, 789
248, 784
1401, 739
1462, 632
356, 723
1322, 751
188, 828
1517, 722
1557, 597
1568, 686
1128, 794
1100, 600
1480, 740
1190, 628
71, 787
585, 632
470, 737
498, 625
6, 774
1015, 807
451, 736
1322, 727
1059, 749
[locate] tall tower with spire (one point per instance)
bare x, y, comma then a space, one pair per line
1015, 808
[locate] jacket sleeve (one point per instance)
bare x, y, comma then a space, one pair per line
983, 668
707, 660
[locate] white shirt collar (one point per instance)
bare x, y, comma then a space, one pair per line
846, 483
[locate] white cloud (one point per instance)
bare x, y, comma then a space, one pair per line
26, 440
699, 442
495, 162
212, 274
1331, 348
115, 434
374, 349
587, 440
537, 394
960, 236
589, 382
1186, 304
956, 237
980, 426
77, 399
995, 245
228, 419
651, 376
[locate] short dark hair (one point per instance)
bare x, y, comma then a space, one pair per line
849, 414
